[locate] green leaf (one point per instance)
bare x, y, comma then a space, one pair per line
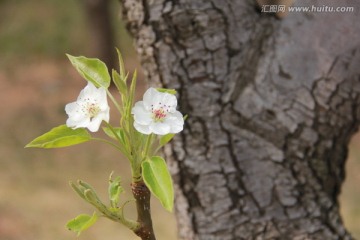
119, 132
166, 138
132, 88
119, 83
92, 69
81, 223
85, 191
157, 178
78, 189
165, 90
61, 136
121, 65
115, 189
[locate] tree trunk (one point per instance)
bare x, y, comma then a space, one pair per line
272, 105
102, 37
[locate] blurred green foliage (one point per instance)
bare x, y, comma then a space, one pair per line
50, 28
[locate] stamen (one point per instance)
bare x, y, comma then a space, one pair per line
159, 114
91, 109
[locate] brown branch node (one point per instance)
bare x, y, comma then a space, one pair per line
142, 196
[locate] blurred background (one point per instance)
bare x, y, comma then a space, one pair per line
36, 82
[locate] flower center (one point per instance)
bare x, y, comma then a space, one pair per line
159, 114
92, 110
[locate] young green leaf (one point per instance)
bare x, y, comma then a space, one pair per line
81, 223
165, 90
61, 136
119, 83
121, 65
157, 178
92, 69
166, 138
78, 189
132, 88
119, 132
115, 189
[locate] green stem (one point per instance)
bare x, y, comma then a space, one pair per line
113, 100
148, 144
137, 160
108, 142
92, 198
136, 171
157, 149
126, 153
132, 225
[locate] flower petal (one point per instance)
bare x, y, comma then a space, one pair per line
102, 98
74, 110
95, 123
175, 121
141, 115
170, 101
144, 129
79, 116
71, 107
155, 99
159, 128
80, 123
105, 115
87, 92
151, 96
163, 105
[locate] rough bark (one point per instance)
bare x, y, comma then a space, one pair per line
272, 105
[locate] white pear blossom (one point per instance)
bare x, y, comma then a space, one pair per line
89, 110
157, 114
